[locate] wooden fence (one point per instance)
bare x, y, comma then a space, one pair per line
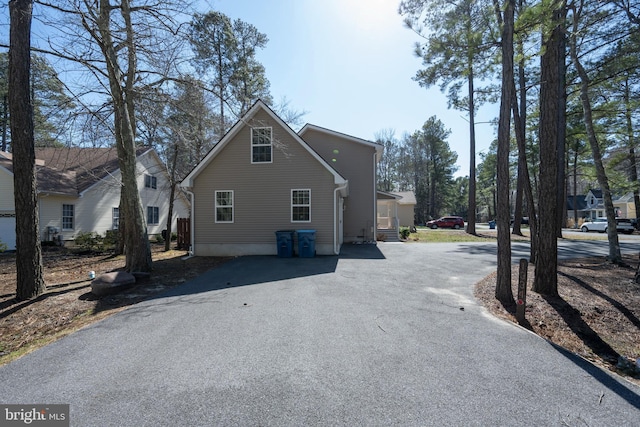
184, 233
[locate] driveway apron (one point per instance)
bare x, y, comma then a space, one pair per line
382, 335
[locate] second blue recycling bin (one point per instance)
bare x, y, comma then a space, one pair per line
306, 243
284, 240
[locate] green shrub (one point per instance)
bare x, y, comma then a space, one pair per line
89, 241
404, 232
111, 238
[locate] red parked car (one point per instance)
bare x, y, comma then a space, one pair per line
455, 222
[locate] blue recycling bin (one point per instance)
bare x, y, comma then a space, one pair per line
492, 225
306, 243
284, 240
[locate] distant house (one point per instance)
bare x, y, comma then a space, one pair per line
396, 209
262, 177
406, 208
594, 205
576, 205
625, 206
79, 191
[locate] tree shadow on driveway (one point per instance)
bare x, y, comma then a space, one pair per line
253, 270
616, 386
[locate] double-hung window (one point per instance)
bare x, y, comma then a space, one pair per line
261, 145
67, 217
224, 206
301, 205
153, 215
115, 218
150, 182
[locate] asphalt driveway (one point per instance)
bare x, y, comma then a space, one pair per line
382, 335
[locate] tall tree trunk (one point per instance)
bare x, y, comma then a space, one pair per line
503, 283
575, 187
523, 168
136, 240
30, 280
561, 197
633, 161
546, 269
5, 121
172, 193
471, 216
612, 232
518, 209
519, 118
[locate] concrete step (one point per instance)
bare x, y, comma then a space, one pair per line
387, 235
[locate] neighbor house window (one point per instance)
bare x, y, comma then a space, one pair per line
150, 182
261, 145
153, 215
115, 218
301, 205
224, 206
67, 217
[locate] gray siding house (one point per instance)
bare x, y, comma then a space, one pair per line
262, 177
356, 160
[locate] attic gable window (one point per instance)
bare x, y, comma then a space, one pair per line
261, 145
150, 182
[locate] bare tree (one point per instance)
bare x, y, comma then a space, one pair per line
125, 47
30, 280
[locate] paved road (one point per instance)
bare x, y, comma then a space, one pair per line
386, 335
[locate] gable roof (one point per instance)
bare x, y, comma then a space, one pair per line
378, 147
408, 197
385, 195
71, 170
596, 193
581, 202
625, 198
244, 121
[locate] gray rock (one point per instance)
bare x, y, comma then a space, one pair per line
110, 283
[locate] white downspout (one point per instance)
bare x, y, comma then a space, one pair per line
192, 222
375, 197
336, 245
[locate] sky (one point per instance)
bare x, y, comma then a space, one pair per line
349, 64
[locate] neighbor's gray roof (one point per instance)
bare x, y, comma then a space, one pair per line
71, 170
408, 197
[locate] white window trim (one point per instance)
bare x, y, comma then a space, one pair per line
73, 217
153, 223
270, 145
232, 206
305, 205
114, 217
152, 180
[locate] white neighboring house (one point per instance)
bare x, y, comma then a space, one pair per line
79, 191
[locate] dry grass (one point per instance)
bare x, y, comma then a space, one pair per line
69, 304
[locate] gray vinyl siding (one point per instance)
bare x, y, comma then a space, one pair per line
262, 192
356, 163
